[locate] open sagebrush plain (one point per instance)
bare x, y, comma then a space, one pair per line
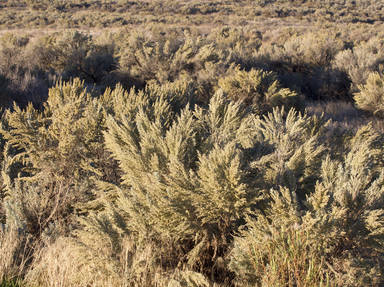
186, 143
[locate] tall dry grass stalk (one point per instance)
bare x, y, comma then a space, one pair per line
14, 252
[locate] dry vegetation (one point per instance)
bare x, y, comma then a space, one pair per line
192, 143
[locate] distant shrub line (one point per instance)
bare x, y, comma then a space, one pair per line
314, 66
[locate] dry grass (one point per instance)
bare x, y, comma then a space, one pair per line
15, 254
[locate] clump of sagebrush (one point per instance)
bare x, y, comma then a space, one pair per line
19, 80
257, 88
371, 95
303, 62
185, 186
237, 45
11, 53
361, 60
63, 140
202, 195
128, 253
51, 160
74, 54
332, 238
185, 177
275, 250
159, 56
291, 150
14, 255
311, 49
172, 54
189, 178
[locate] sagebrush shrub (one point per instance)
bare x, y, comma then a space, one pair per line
51, 160
303, 62
276, 249
148, 187
74, 54
371, 95
190, 178
259, 89
334, 237
53, 157
14, 255
360, 61
174, 164
292, 150
157, 57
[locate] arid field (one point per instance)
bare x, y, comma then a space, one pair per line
191, 143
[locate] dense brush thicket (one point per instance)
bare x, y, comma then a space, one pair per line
184, 154
150, 188
265, 69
